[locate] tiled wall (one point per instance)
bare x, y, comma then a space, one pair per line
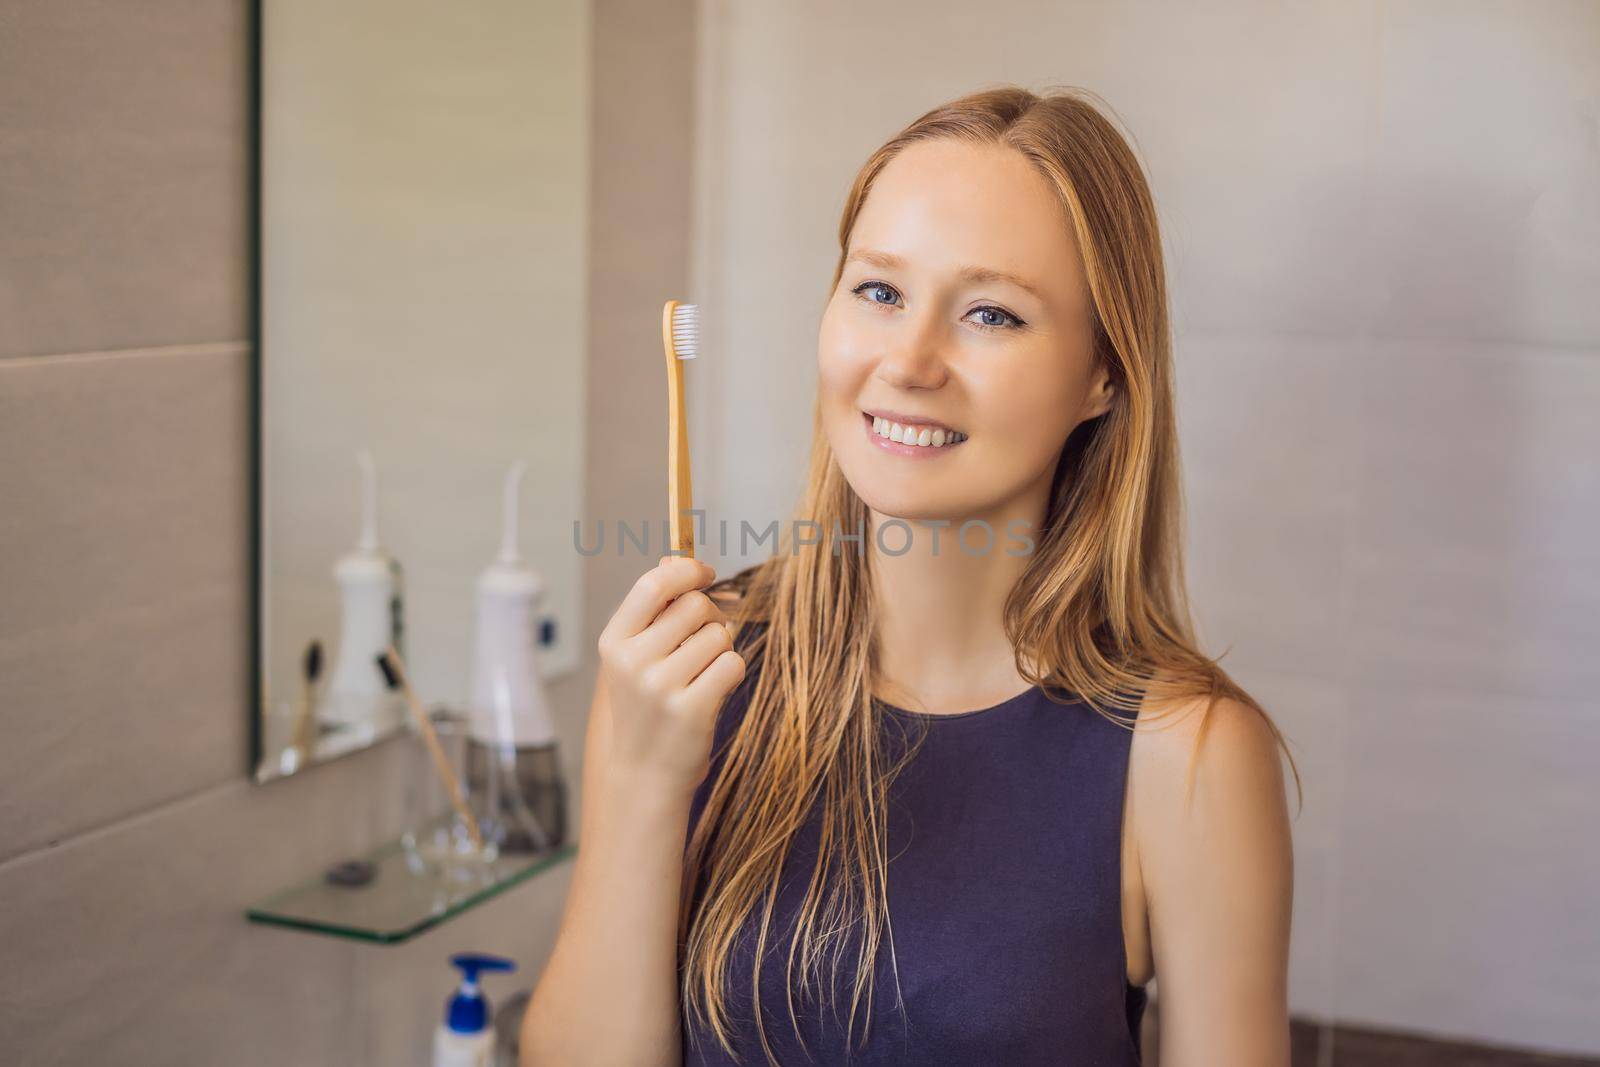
1382, 219
130, 839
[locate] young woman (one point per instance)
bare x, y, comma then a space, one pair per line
903, 771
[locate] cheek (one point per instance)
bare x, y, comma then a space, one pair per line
843, 357
1033, 407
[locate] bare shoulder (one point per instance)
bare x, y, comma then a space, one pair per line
1206, 781
1197, 743
1211, 828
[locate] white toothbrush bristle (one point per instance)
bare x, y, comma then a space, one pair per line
686, 330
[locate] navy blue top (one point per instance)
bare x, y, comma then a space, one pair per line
1004, 893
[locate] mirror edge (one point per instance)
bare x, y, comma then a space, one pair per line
256, 703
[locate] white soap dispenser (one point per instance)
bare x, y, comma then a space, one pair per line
371, 618
512, 766
466, 1037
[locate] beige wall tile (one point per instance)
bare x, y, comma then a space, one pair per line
1467, 867
1483, 190
124, 180
1271, 487
124, 560
1474, 561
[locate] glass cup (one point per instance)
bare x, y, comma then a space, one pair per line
436, 839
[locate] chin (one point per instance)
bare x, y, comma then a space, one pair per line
912, 511
911, 503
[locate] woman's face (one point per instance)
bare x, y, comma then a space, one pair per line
924, 327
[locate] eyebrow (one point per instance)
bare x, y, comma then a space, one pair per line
889, 261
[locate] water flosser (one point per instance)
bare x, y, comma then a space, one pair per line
511, 737
370, 613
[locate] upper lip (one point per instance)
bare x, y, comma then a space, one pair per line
908, 420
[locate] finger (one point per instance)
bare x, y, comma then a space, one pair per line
718, 679
695, 654
685, 615
654, 590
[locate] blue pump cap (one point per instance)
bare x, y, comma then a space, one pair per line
468, 1010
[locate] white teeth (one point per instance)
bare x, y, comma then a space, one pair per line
920, 436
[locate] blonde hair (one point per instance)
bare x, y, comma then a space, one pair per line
1101, 604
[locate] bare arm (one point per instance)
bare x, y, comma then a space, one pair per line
1219, 878
609, 993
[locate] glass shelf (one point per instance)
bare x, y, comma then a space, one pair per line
407, 895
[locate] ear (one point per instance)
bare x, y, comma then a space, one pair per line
1101, 392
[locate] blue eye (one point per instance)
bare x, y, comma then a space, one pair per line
1009, 320
997, 311
871, 285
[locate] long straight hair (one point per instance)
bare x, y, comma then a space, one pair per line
1101, 609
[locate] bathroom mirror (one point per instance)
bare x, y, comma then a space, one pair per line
423, 290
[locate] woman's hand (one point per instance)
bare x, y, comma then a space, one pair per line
609, 992
668, 660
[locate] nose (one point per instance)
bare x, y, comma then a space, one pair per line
914, 360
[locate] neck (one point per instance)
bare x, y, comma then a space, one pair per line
941, 614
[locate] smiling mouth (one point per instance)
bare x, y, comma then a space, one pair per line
928, 437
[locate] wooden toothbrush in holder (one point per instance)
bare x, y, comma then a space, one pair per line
394, 672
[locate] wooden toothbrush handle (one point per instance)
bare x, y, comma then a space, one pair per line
301, 738
680, 497
441, 762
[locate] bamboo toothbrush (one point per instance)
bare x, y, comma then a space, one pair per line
394, 673
680, 336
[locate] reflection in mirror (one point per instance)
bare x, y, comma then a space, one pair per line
424, 200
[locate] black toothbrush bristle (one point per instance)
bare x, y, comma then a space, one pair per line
313, 661
387, 668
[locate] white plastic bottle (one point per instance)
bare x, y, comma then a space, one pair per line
508, 698
370, 619
466, 1037
511, 735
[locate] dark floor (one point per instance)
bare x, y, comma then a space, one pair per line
1352, 1047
